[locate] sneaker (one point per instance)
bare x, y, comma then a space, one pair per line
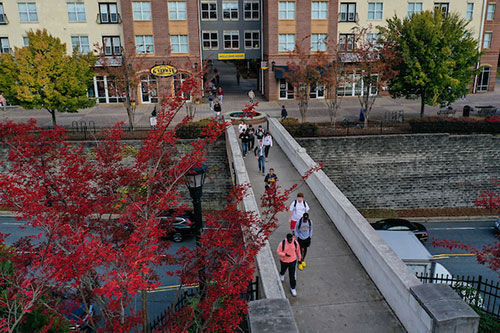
294, 292
304, 263
282, 278
301, 267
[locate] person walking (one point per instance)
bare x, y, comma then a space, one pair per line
251, 96
242, 127
260, 132
245, 138
270, 180
251, 132
217, 78
211, 99
3, 102
304, 231
217, 109
268, 143
297, 209
238, 77
284, 113
220, 94
259, 155
289, 253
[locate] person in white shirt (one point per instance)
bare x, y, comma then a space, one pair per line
297, 210
268, 143
242, 127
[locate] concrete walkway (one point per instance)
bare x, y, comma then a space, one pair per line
334, 293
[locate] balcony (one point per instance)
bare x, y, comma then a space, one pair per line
114, 18
3, 19
109, 61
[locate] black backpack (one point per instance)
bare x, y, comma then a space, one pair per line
283, 245
295, 204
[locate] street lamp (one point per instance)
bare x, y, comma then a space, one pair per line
194, 180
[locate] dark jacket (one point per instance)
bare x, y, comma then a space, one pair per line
244, 137
217, 107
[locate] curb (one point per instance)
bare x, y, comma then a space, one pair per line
438, 219
6, 213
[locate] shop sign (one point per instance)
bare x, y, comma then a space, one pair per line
163, 70
231, 56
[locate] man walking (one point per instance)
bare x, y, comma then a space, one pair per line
297, 210
270, 180
259, 155
260, 132
211, 99
251, 96
268, 143
251, 133
289, 252
220, 94
217, 109
284, 113
245, 138
304, 231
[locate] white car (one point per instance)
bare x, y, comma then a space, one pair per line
467, 292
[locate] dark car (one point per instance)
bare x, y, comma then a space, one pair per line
183, 225
402, 225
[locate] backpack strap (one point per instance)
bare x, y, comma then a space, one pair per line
300, 222
283, 245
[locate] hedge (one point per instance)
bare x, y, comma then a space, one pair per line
191, 130
489, 125
298, 129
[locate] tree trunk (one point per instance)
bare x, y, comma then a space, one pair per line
422, 105
365, 115
130, 115
145, 314
53, 114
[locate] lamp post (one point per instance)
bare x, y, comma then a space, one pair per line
194, 180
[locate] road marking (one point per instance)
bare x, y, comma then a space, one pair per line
13, 223
451, 255
463, 228
172, 288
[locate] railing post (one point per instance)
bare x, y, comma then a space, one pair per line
479, 280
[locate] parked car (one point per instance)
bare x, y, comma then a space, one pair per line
497, 225
402, 225
182, 225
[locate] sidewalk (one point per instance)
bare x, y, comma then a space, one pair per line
334, 293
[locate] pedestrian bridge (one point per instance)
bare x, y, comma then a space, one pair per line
353, 281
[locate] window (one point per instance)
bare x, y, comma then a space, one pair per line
251, 10
142, 10
209, 10
490, 14
112, 45
318, 42
286, 90
76, 12
108, 13
3, 17
177, 10
347, 12
252, 40
229, 10
4, 45
178, 81
443, 6
287, 10
286, 42
179, 43
144, 44
353, 85
487, 40
210, 40
346, 42
107, 90
27, 11
81, 43
26, 41
375, 10
372, 39
149, 89
470, 11
484, 79
317, 90
231, 40
319, 10
414, 8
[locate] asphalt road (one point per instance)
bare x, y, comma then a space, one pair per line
459, 262
158, 299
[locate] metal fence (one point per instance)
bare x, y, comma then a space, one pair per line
159, 322
476, 291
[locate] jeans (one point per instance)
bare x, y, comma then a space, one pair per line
252, 143
291, 271
244, 147
211, 103
220, 97
262, 164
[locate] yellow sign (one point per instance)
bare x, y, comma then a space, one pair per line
231, 56
163, 70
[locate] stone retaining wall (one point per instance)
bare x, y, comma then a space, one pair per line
409, 171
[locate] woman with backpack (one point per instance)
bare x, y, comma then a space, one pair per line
303, 231
289, 253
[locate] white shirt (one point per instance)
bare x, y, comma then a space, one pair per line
299, 209
268, 140
242, 128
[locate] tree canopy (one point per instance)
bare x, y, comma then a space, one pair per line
43, 76
438, 55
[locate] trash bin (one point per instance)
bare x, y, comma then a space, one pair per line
466, 111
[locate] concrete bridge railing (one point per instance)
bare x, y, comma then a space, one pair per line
420, 308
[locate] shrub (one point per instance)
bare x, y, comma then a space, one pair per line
297, 129
489, 125
191, 130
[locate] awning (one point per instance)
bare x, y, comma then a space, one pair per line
279, 71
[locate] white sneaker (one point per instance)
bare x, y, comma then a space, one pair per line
282, 277
294, 292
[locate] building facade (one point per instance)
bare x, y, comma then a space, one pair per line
184, 33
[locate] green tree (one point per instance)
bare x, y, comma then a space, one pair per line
437, 57
43, 76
